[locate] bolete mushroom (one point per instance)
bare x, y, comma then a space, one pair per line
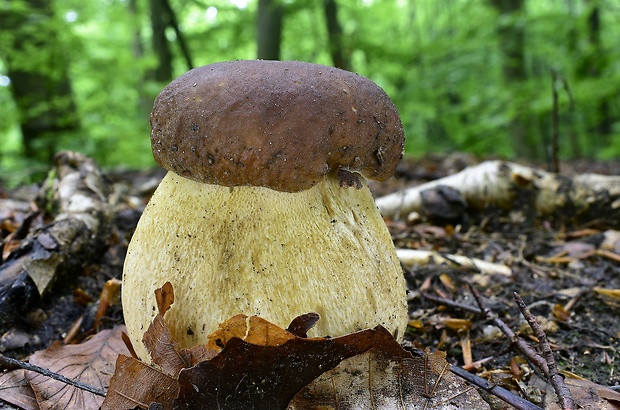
265, 209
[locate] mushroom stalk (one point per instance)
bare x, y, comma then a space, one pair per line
257, 251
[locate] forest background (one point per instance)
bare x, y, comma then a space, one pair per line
488, 77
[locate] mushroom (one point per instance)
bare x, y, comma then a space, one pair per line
265, 209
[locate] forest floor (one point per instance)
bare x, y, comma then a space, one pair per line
555, 268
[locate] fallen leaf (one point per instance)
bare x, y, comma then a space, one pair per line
458, 324
249, 361
301, 324
91, 363
163, 349
561, 313
586, 395
110, 295
136, 384
164, 297
16, 390
385, 380
252, 329
611, 293
268, 374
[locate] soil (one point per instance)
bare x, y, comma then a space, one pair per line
582, 325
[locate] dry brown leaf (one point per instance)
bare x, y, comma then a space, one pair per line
110, 295
163, 349
586, 394
269, 374
16, 390
561, 313
136, 384
379, 381
253, 329
301, 324
164, 297
259, 362
91, 363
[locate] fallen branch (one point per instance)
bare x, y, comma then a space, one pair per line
515, 401
546, 364
410, 257
502, 184
75, 194
554, 377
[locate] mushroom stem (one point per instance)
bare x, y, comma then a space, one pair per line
258, 251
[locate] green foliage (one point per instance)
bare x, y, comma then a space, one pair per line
441, 61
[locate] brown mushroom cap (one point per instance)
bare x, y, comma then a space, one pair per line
281, 125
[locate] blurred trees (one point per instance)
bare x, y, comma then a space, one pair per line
39, 71
467, 75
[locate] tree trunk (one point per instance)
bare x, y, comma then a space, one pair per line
594, 65
160, 20
145, 102
269, 33
512, 46
38, 69
340, 57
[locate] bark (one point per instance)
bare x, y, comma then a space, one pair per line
415, 257
160, 20
145, 103
38, 69
340, 57
594, 65
511, 35
585, 197
76, 194
269, 29
174, 23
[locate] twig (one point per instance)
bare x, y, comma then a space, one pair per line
521, 344
507, 396
451, 303
556, 380
545, 363
14, 363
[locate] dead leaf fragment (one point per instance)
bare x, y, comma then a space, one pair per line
16, 390
458, 324
561, 313
375, 380
251, 362
610, 293
268, 374
136, 384
91, 363
586, 394
164, 297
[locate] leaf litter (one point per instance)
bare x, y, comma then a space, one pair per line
251, 363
